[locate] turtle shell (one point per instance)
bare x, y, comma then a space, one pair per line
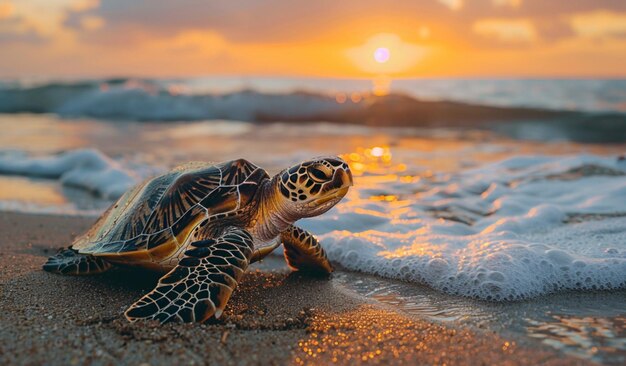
154, 219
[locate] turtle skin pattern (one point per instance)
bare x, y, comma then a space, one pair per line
200, 286
303, 252
69, 262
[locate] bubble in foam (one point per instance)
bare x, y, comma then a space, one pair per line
558, 256
437, 267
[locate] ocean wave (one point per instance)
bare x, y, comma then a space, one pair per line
515, 229
84, 168
146, 100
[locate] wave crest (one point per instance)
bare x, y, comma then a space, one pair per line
85, 168
129, 99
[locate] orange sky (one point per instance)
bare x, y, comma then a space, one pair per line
425, 38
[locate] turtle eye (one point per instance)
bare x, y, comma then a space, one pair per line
319, 173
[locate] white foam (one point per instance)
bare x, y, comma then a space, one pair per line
520, 244
86, 168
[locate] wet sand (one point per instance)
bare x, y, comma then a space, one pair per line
274, 318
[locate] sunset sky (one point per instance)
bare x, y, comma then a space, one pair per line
330, 38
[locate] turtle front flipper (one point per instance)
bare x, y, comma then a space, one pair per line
303, 251
70, 262
202, 282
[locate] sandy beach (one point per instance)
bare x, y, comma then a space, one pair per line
274, 318
461, 165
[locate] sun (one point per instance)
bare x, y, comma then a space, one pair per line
386, 53
382, 54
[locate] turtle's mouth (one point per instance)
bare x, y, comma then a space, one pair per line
335, 196
336, 189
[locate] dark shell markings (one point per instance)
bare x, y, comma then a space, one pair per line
153, 221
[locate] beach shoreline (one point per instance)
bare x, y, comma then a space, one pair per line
273, 318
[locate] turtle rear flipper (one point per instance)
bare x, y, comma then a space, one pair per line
202, 282
70, 262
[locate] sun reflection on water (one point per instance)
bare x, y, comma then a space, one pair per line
24, 190
371, 160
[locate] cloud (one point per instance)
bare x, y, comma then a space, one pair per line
510, 3
553, 30
255, 21
83, 5
6, 10
34, 20
599, 24
91, 23
308, 37
283, 21
506, 30
83, 21
30, 37
15, 29
207, 44
452, 4
249, 21
531, 9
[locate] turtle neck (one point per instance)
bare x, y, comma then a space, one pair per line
272, 217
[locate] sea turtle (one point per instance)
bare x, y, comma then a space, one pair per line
204, 224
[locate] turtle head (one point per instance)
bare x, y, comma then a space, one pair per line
313, 187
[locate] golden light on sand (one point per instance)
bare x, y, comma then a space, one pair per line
386, 53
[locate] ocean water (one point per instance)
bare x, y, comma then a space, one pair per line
194, 98
477, 217
452, 215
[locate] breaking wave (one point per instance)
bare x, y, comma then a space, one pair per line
85, 168
130, 99
146, 101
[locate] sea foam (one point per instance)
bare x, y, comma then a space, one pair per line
85, 168
511, 230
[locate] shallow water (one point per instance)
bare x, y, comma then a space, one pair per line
587, 325
465, 212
